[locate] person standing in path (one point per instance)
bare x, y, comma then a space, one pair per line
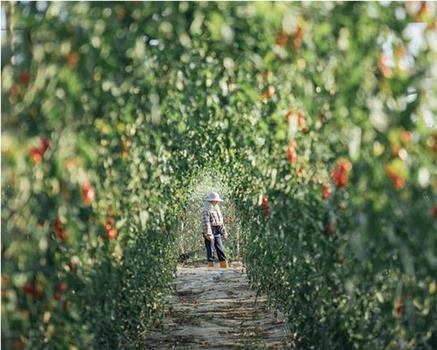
214, 230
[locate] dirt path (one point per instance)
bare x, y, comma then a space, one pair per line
216, 309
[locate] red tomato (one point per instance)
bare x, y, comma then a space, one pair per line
326, 191
398, 307
109, 223
339, 177
398, 182
72, 59
87, 193
265, 205
36, 155
25, 77
281, 38
406, 136
291, 152
300, 120
345, 165
111, 232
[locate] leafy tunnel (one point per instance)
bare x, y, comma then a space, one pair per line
316, 120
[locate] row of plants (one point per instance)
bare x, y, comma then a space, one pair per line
342, 235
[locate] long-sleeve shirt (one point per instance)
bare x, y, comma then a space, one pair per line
212, 217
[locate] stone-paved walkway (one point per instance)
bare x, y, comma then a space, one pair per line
216, 309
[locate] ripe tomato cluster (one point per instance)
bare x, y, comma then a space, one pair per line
111, 232
340, 174
326, 191
295, 39
296, 121
265, 205
88, 193
37, 153
291, 152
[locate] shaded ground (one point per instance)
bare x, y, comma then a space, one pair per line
216, 309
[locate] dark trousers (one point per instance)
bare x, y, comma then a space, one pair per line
218, 245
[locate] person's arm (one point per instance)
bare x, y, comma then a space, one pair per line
225, 232
223, 228
206, 224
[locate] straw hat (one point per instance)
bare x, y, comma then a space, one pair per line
214, 196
